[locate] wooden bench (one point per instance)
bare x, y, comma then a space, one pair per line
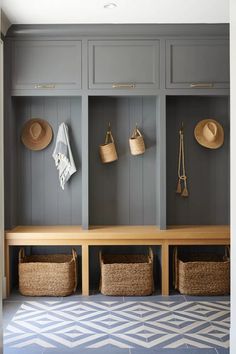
114, 235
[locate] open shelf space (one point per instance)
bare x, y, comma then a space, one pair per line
35, 197
123, 192
207, 170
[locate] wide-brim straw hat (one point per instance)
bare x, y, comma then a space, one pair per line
36, 134
209, 133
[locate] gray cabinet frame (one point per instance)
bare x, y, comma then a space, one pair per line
87, 87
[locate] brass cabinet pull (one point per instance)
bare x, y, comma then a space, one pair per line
45, 86
201, 85
129, 86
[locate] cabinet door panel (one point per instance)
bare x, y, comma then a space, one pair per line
123, 64
197, 63
46, 65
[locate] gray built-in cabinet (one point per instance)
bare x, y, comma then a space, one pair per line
154, 75
51, 65
197, 63
157, 76
123, 63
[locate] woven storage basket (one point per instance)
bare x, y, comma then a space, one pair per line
136, 143
107, 151
128, 275
52, 275
202, 275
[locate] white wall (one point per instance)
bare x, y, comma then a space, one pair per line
127, 11
233, 173
5, 23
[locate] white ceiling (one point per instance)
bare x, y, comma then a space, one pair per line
127, 11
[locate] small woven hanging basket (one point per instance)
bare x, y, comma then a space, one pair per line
47, 275
136, 143
202, 274
127, 275
107, 151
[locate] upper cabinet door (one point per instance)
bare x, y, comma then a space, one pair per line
197, 63
124, 64
46, 65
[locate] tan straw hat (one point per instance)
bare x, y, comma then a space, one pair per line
209, 133
36, 134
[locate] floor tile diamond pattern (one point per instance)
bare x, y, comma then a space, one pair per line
130, 324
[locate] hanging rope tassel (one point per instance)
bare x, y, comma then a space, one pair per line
185, 190
184, 177
181, 165
179, 188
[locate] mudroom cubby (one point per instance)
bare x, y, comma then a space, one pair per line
34, 195
151, 75
123, 192
207, 169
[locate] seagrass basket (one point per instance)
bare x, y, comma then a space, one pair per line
202, 274
47, 275
107, 151
136, 143
126, 275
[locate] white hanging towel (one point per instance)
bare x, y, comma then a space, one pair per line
63, 156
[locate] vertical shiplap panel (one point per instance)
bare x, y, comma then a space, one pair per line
76, 179
85, 157
96, 168
50, 171
24, 186
136, 166
123, 165
117, 190
222, 162
207, 169
37, 168
64, 196
109, 171
40, 199
149, 161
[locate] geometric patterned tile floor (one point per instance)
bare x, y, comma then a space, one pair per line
116, 325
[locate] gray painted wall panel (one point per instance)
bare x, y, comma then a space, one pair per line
118, 191
40, 199
150, 196
207, 170
50, 172
24, 197
37, 169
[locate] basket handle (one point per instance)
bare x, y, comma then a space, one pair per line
150, 251
109, 137
21, 255
74, 258
175, 267
151, 256
227, 252
100, 257
74, 254
100, 262
136, 133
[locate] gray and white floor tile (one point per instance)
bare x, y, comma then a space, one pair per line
119, 325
